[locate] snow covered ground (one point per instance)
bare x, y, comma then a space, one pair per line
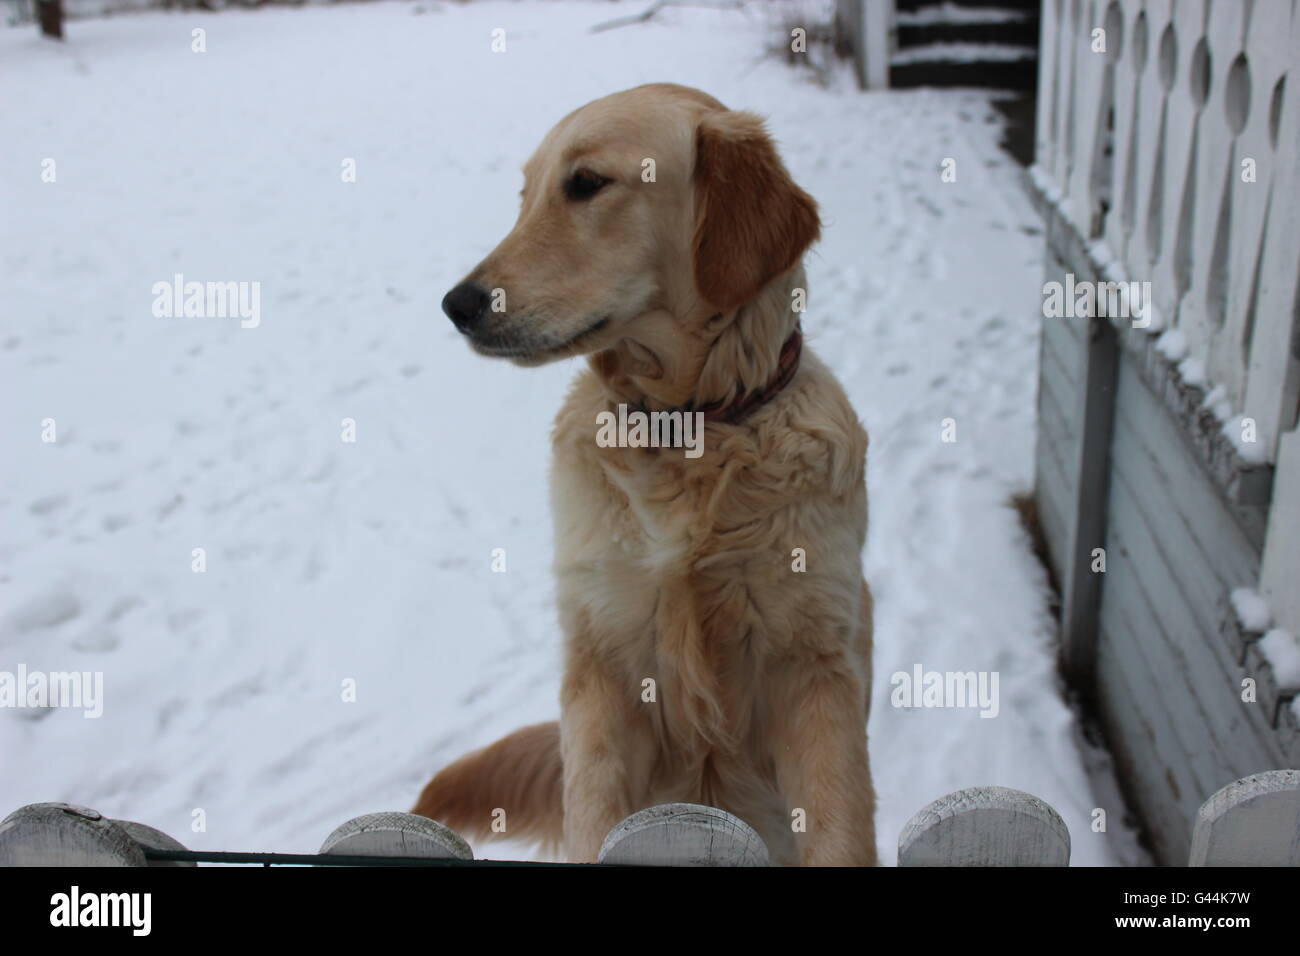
330, 562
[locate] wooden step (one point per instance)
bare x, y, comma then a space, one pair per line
1023, 32
1028, 6
1021, 74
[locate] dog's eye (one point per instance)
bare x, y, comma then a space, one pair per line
584, 184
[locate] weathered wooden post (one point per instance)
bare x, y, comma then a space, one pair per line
1254, 821
50, 15
392, 833
61, 834
985, 826
683, 834
151, 838
866, 27
1081, 584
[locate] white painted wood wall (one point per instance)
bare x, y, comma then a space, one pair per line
1143, 146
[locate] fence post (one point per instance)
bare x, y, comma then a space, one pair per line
151, 838
683, 834
985, 826
878, 41
866, 27
50, 16
1081, 585
391, 833
1254, 821
61, 834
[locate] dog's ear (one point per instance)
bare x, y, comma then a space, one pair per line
752, 222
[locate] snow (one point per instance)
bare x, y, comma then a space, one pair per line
1252, 610
332, 565
1282, 651
1253, 451
961, 53
1172, 344
952, 13
1046, 185
1192, 371
1216, 402
1100, 252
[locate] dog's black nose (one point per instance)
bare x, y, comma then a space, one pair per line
465, 304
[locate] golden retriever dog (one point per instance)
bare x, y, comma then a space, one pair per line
717, 628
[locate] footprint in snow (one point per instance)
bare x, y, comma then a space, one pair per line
113, 523
97, 639
40, 613
43, 506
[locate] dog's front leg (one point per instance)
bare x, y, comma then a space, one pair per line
821, 764
598, 752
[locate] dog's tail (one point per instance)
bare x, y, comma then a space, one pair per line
519, 774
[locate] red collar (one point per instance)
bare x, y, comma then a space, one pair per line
738, 408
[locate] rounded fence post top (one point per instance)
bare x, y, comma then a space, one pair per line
151, 838
1248, 788
70, 808
1254, 821
64, 834
393, 833
683, 834
985, 826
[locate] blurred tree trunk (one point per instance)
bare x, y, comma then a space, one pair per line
51, 18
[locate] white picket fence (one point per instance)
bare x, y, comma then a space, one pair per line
1254, 821
1149, 147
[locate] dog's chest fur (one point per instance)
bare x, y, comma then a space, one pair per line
700, 574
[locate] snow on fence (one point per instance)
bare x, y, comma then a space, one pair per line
1167, 135
1251, 822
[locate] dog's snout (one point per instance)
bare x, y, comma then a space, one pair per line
465, 304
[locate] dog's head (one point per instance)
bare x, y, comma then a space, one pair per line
647, 212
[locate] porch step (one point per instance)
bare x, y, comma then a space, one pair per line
984, 43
